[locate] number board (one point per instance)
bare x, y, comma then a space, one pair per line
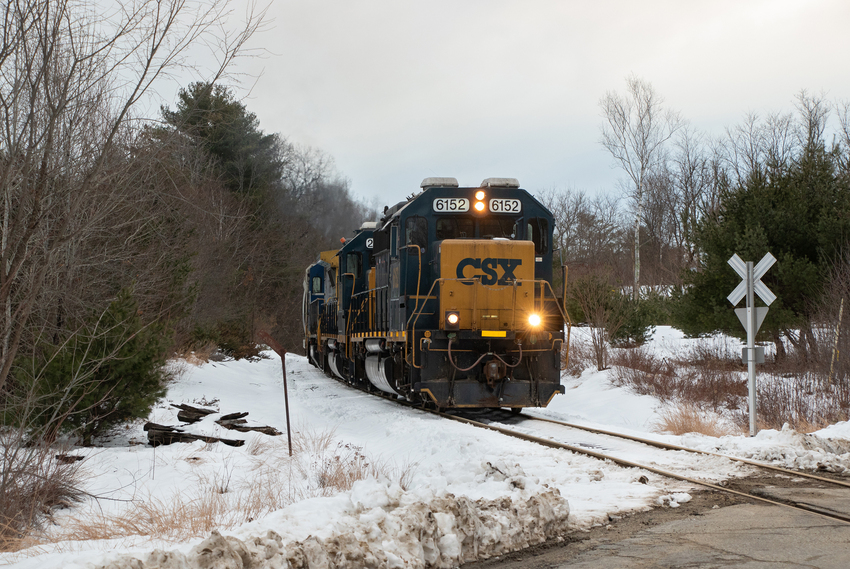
451, 205
369, 242
505, 205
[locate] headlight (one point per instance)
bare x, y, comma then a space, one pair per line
479, 195
452, 320
534, 320
479, 206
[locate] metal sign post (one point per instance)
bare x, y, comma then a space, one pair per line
752, 317
273, 344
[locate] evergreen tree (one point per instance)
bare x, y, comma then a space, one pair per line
108, 373
250, 160
802, 216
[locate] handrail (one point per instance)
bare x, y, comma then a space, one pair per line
419, 277
348, 318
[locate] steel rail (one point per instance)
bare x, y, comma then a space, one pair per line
622, 462
669, 446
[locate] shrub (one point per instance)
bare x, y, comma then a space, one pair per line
704, 380
108, 372
636, 317
233, 338
32, 481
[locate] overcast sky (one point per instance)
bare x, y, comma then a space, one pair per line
396, 90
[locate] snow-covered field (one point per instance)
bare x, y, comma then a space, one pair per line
443, 492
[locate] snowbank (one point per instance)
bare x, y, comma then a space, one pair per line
384, 526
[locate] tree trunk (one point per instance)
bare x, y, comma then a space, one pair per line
780, 348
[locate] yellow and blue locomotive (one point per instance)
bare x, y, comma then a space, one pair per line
447, 300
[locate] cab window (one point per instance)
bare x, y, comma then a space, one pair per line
317, 285
416, 233
455, 227
538, 231
490, 227
352, 264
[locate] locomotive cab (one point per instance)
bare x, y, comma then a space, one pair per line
319, 285
347, 312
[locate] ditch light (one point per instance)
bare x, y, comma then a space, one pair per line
452, 320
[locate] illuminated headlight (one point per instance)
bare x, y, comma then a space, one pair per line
452, 320
534, 320
479, 195
479, 206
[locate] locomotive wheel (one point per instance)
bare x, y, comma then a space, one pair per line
516, 410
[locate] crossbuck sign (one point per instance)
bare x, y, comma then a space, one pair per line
751, 316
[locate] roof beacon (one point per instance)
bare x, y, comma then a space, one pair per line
500, 183
439, 183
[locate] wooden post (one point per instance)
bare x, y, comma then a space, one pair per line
282, 353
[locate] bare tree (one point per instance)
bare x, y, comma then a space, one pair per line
813, 113
635, 130
71, 79
602, 308
759, 147
842, 109
588, 231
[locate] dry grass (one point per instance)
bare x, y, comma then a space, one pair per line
198, 354
32, 483
320, 466
683, 419
703, 379
259, 445
806, 401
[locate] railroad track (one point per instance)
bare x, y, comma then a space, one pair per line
494, 415
666, 473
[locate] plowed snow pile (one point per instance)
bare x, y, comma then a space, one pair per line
383, 526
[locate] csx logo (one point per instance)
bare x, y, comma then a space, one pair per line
488, 269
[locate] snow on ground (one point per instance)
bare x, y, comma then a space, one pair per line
445, 492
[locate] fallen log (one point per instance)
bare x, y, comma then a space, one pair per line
166, 435
232, 416
192, 414
266, 430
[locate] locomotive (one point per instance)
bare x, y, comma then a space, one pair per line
446, 301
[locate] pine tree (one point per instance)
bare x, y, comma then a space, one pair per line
108, 373
802, 216
250, 160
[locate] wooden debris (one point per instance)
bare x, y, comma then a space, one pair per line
68, 458
232, 417
266, 430
236, 422
192, 414
165, 435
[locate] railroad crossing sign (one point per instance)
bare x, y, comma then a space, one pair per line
758, 272
752, 316
759, 288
